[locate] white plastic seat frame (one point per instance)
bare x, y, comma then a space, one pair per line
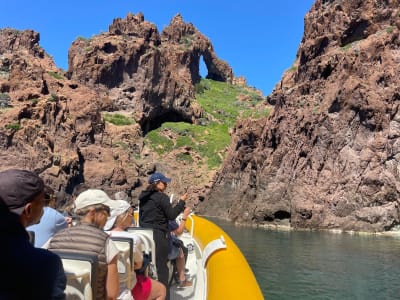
81, 272
146, 235
125, 261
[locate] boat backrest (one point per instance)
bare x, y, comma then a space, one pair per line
146, 235
81, 272
125, 259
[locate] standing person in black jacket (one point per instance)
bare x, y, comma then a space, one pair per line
155, 210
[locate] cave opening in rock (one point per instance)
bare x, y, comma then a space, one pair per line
203, 68
153, 123
281, 215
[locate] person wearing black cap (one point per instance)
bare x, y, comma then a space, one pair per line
26, 272
155, 210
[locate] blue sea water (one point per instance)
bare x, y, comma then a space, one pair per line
320, 265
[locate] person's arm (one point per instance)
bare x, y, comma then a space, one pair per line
181, 227
173, 211
60, 222
112, 282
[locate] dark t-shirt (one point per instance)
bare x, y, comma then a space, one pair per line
172, 225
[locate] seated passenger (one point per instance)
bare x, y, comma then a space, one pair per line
178, 252
26, 272
51, 222
93, 208
145, 288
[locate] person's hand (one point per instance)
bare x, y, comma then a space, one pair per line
186, 212
184, 197
69, 221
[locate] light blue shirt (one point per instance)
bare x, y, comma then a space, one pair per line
50, 223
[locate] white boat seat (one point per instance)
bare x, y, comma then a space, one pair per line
125, 260
146, 235
81, 271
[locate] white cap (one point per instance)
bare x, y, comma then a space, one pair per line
121, 206
93, 197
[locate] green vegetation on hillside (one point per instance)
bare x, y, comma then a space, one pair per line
118, 119
223, 104
13, 126
55, 75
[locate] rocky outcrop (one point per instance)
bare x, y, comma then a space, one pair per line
54, 123
147, 73
328, 157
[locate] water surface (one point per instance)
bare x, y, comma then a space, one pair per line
320, 265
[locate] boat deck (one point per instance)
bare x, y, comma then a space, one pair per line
196, 274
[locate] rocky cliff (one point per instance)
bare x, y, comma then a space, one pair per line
328, 157
53, 121
150, 74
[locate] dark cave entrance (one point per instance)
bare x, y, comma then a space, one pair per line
156, 122
278, 215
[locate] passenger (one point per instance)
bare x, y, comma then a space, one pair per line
51, 222
144, 288
155, 210
178, 252
93, 208
69, 209
26, 272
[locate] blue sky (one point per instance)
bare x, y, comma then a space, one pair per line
258, 38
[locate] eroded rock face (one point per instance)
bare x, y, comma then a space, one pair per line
53, 122
142, 71
53, 125
328, 157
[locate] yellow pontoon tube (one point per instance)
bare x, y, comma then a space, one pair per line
229, 276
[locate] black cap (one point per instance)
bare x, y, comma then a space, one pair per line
19, 187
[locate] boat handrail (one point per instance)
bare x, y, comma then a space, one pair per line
212, 247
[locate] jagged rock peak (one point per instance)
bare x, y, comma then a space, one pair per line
338, 23
12, 40
177, 29
134, 25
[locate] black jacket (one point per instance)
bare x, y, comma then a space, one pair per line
27, 272
155, 210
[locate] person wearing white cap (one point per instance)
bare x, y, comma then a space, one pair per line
93, 208
144, 288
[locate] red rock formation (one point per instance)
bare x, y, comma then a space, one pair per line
52, 122
143, 72
328, 156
